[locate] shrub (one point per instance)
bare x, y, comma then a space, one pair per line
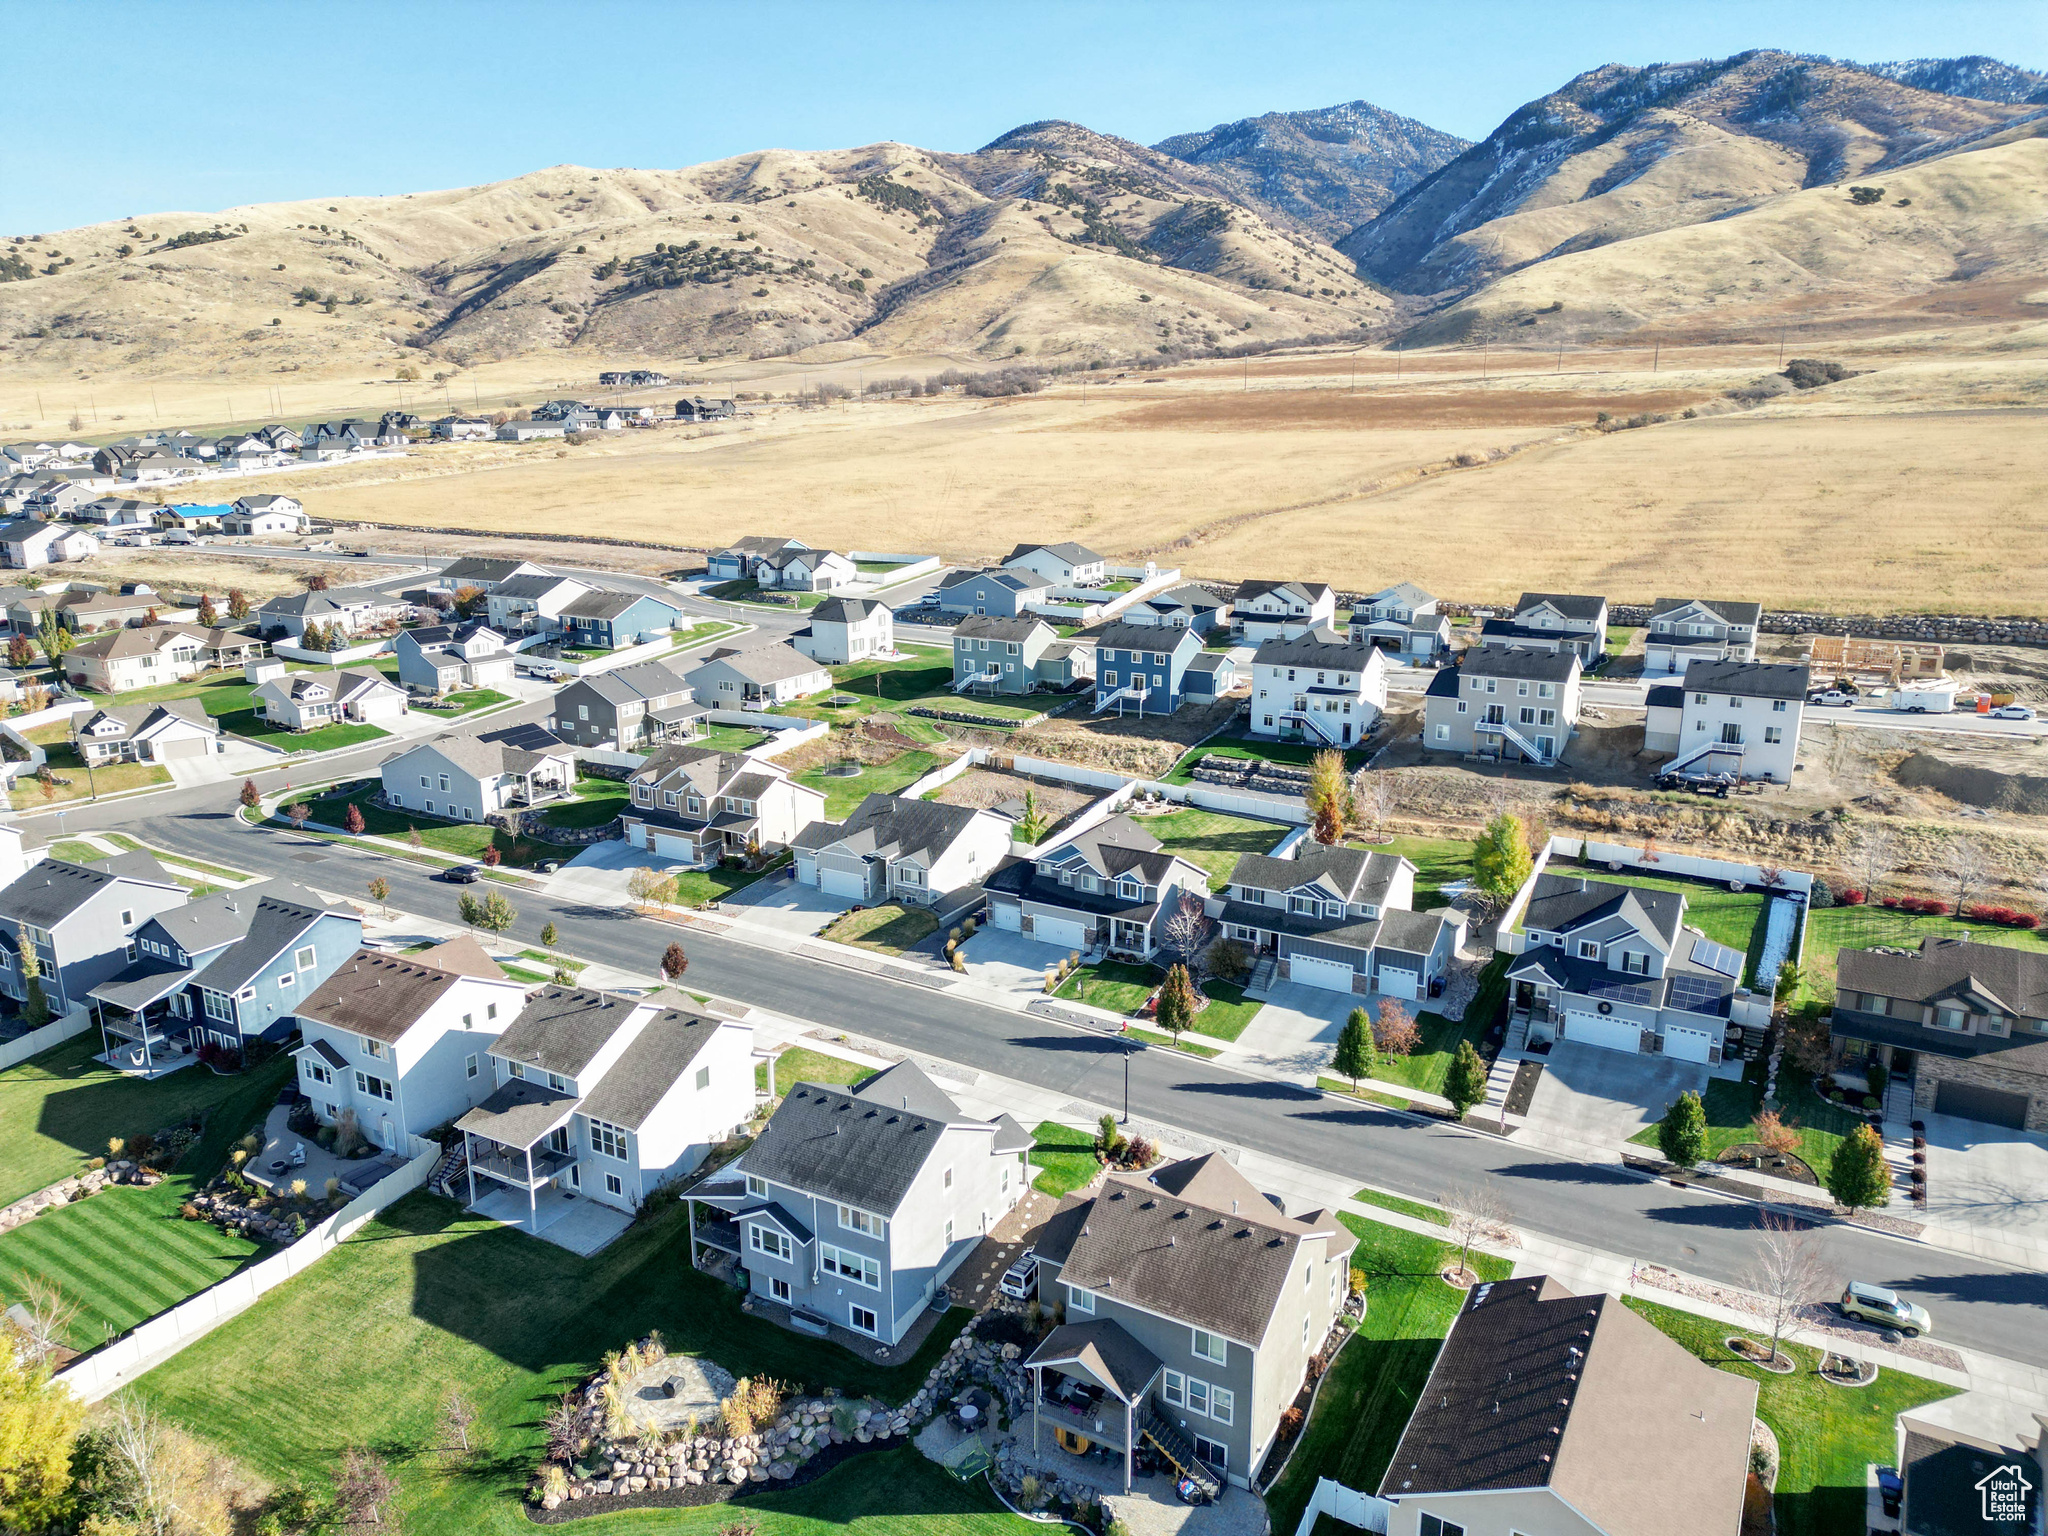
1290, 1423
1851, 896
1916, 906
2001, 916
1822, 895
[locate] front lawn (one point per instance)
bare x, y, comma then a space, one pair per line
797, 1065
1404, 1205
1064, 1158
1429, 1064
1120, 987
844, 795
1291, 754
65, 763
251, 726
889, 929
364, 1348
1213, 841
462, 839
1368, 1095
473, 699
1833, 928
1731, 1106
701, 887
1373, 1383
1827, 1435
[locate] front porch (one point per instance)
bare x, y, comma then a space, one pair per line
1091, 1387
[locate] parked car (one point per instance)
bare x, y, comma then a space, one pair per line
1833, 697
1887, 1309
1020, 1280
461, 874
2012, 712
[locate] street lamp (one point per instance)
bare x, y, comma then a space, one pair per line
1123, 1034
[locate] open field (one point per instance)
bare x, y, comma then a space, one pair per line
179, 570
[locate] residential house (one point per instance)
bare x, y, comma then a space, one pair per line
891, 849
1403, 619
1192, 1307
532, 431
700, 805
284, 439
1739, 717
122, 659
398, 426
448, 658
484, 572
1112, 886
1553, 621
1961, 1026
176, 729
193, 517
1340, 920
1318, 687
1059, 565
29, 543
1187, 607
627, 708
1513, 703
1002, 594
1688, 629
353, 609
1142, 669
351, 436
700, 409
739, 560
605, 1098
998, 655
610, 621
85, 613
1064, 663
1282, 610
115, 514
305, 701
1973, 1459
228, 646
396, 1042
81, 918
805, 570
531, 605
854, 1205
632, 378
1550, 1414
462, 429
228, 968
471, 778
1616, 966
756, 677
847, 629
569, 412
155, 466
266, 515
1210, 675
25, 608
58, 497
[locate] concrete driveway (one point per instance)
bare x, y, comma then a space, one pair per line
1011, 962
1590, 1099
782, 903
1988, 1179
1296, 1032
598, 875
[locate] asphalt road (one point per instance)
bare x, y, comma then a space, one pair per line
1977, 1303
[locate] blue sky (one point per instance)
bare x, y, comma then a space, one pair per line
203, 105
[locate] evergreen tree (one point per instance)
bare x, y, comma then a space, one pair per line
1500, 859
1177, 1004
1682, 1133
1356, 1055
1857, 1175
1465, 1083
238, 604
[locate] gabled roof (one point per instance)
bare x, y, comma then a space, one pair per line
2016, 978
765, 663
1114, 846
1566, 903
1570, 605
757, 544
609, 605
135, 719
142, 640
1015, 581
983, 626
864, 1146
1140, 637
562, 1029
1105, 1350
886, 827
377, 995
1355, 874
643, 680
1318, 648
1750, 679
654, 1062
1727, 612
51, 891
1189, 596
846, 610
464, 956
1406, 593
518, 1112
536, 587
1072, 554
1311, 592
273, 917
485, 568
484, 757
1518, 663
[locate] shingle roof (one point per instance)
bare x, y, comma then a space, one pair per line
561, 1029
864, 1147
2016, 978
143, 640
982, 626
1105, 1350
535, 586
1727, 612
1749, 679
1571, 605
1561, 903
272, 917
766, 663
1404, 592
51, 891
886, 827
846, 610
1139, 637
603, 605
378, 995
480, 568
1518, 662
642, 680
1359, 874
1307, 591
1015, 581
519, 1112
134, 718
1072, 554
649, 1067
1317, 648
759, 544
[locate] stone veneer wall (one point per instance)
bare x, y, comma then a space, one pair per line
1930, 1072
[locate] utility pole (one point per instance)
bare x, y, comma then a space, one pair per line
1781, 346
1560, 357
1656, 352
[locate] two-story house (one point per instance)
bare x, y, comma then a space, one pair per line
143, 657
27, 544
1190, 1305
462, 429
701, 805
115, 514
1340, 920
757, 677
1550, 1414
1553, 621
532, 605
227, 968
145, 733
1688, 629
610, 621
738, 560
398, 1042
1513, 703
854, 1205
1186, 607
1280, 610
1142, 669
81, 920
997, 594
1059, 565
847, 629
1964, 1025
1112, 885
451, 658
627, 708
470, 778
1739, 717
605, 1098
1616, 966
1318, 687
305, 701
1402, 619
265, 516
996, 655
352, 609
486, 573
892, 849
805, 570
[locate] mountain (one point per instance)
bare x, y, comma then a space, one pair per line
1621, 152
1973, 75
1332, 169
1052, 242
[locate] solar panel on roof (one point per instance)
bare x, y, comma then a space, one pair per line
1716, 957
1695, 994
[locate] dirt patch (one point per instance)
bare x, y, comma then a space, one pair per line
1971, 784
260, 579
1144, 747
984, 789
851, 744
1341, 411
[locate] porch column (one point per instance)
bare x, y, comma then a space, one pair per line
100, 1012
1130, 1426
690, 1213
532, 1196
469, 1165
148, 1063
1037, 1400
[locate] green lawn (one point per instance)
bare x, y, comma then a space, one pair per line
1401, 1203
597, 802
1368, 1095
1064, 1157
1293, 754
728, 738
1213, 841
700, 887
247, 724
843, 795
1734, 918
797, 1065
1430, 1062
1835, 928
1731, 1106
364, 1348
889, 929
462, 839
65, 763
1438, 862
701, 634
473, 700
1373, 1383
1159, 1037
1122, 988
1827, 1435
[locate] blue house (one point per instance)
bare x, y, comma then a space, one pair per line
605, 621
229, 968
1003, 594
1210, 675
1143, 668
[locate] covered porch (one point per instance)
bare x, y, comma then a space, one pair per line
141, 1035
517, 1142
540, 781
1090, 1386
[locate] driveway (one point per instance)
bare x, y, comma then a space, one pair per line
784, 904
598, 875
1010, 962
1988, 1179
1590, 1099
1296, 1032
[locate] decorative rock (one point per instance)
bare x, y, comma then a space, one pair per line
736, 1476
636, 1485
782, 1469
602, 1485
758, 1473
862, 1435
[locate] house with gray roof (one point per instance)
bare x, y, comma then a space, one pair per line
1402, 619
1553, 621
1683, 630
266, 515
1002, 594
484, 572
472, 778
31, 542
306, 701
627, 708
1142, 669
854, 1205
449, 658
701, 805
739, 559
1340, 920
1280, 610
1111, 887
608, 621
176, 729
1734, 717
1510, 703
1315, 686
354, 609
532, 605
1060, 565
805, 570
1184, 607
81, 921
1191, 1305
1011, 655
843, 630
756, 677
892, 849
602, 1099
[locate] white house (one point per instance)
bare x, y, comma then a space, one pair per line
847, 629
257, 516
757, 677
805, 570
142, 657
532, 604
305, 701
891, 849
353, 609
1739, 717
1281, 610
27, 544
462, 429
1688, 629
466, 778
701, 805
1319, 688
1062, 565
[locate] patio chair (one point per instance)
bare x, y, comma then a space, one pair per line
298, 1155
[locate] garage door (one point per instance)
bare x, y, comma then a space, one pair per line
1400, 983
850, 883
1330, 975
1688, 1044
1006, 915
1972, 1101
192, 746
672, 847
1599, 1029
1062, 931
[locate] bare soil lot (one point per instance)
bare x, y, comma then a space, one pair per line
985, 788
169, 571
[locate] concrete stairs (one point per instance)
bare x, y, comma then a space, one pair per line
1263, 976
1898, 1102
451, 1166
1499, 1078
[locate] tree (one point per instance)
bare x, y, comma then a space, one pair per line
492, 857
154, 1474
496, 914
1774, 1133
1108, 1137
1786, 1272
39, 1422
317, 582
469, 599
413, 838
1032, 824
298, 813
1394, 1031
380, 892
1356, 1055
1465, 1082
352, 820
1325, 797
363, 1486
1864, 196
470, 910
53, 637
459, 1416
251, 797
35, 1007
674, 962
548, 935
208, 615
1966, 870
48, 1315
1500, 859
1188, 930
1477, 1215
149, 615
1807, 1039
238, 604
1857, 1175
21, 651
649, 887
1377, 794
1177, 1004
1682, 1133
1876, 856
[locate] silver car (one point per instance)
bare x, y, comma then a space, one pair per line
1887, 1309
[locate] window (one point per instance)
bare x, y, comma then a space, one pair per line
1333, 909
372, 1087
444, 781
1198, 1396
1211, 1347
1950, 1018
469, 1068
863, 1318
1462, 707
857, 1267
949, 1231
1432, 1526
854, 1219
1635, 964
558, 1082
608, 1139
1443, 733
948, 1184
1773, 734
376, 1049
286, 980
1109, 679
703, 1078
779, 1289
1213, 1453
1079, 1300
612, 1185
490, 1010
1588, 950
317, 1073
765, 1239
1222, 1404
758, 1188
516, 1069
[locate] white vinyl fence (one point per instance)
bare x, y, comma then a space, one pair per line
1365, 1510
106, 1370
341, 658
18, 1050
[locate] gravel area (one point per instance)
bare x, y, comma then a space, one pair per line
701, 1385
